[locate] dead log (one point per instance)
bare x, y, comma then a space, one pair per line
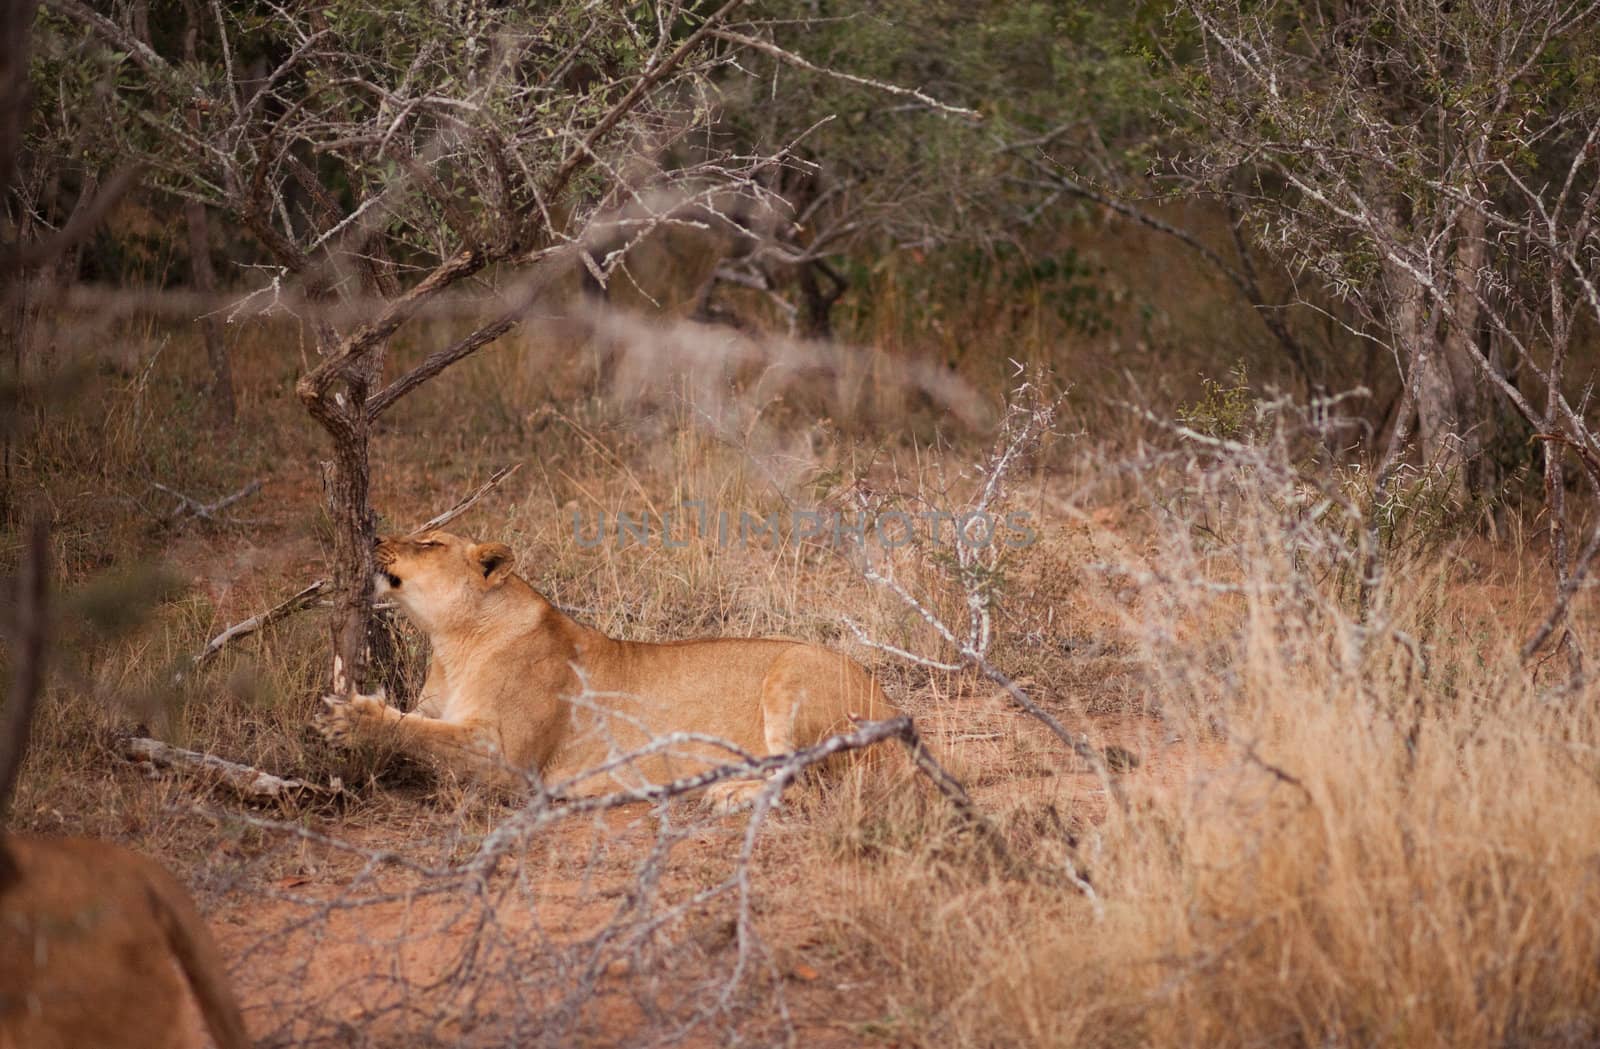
244, 780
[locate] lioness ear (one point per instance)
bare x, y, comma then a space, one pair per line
494, 560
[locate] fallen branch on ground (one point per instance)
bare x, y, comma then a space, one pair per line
244, 780
205, 511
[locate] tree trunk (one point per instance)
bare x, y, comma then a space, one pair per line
346, 485
1475, 424
1428, 374
346, 482
1439, 425
819, 301
1407, 319
205, 282
204, 277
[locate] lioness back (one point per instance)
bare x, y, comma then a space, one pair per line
764, 695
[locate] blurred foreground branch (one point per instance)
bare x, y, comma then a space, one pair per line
31, 612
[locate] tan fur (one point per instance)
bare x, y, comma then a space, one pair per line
516, 683
100, 948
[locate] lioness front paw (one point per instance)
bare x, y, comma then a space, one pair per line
333, 721
341, 717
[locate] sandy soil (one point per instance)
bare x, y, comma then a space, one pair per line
344, 949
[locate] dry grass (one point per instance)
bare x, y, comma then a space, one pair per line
1356, 854
1385, 833
1342, 830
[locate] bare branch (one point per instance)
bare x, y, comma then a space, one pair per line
766, 47
284, 609
442, 519
205, 511
249, 783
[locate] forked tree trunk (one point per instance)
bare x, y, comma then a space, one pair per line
347, 486
1407, 316
1447, 418
1439, 424
338, 395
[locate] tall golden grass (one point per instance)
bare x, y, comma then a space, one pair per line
1383, 831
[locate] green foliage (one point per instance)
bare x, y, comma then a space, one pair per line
1059, 83
1226, 411
443, 122
1420, 510
111, 606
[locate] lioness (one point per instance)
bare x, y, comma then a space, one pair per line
96, 946
514, 682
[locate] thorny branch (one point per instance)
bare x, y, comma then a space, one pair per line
467, 503
1029, 420
282, 610
1455, 222
310, 595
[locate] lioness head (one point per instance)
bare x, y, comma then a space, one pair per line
439, 578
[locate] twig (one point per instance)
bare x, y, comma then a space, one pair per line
1078, 744
304, 599
790, 58
542, 809
1277, 773
241, 779
1590, 460
1564, 594
206, 511
440, 520
961, 801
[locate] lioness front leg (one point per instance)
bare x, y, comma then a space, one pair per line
464, 747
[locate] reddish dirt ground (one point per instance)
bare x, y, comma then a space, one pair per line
386, 972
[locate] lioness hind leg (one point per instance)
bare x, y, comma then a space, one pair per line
807, 694
731, 795
779, 703
783, 698
810, 693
